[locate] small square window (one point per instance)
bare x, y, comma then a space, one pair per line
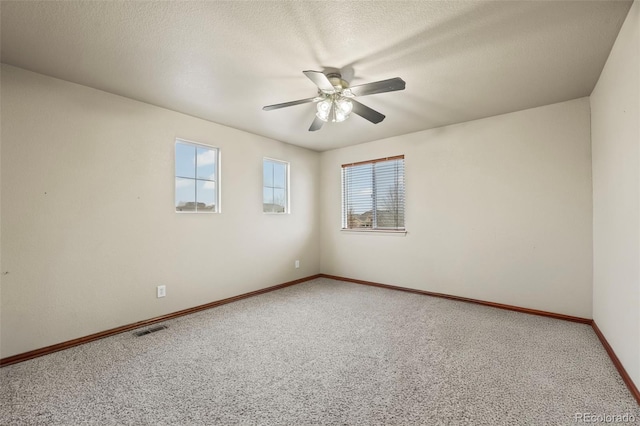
197, 178
275, 186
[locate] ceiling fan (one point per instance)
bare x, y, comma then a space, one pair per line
335, 100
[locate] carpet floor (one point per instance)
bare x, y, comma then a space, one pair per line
326, 352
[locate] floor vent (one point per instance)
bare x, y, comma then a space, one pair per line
150, 330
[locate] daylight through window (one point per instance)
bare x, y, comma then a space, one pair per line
373, 194
275, 186
196, 178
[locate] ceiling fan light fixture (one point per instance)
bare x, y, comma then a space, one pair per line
342, 108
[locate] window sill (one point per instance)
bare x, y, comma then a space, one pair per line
195, 212
375, 232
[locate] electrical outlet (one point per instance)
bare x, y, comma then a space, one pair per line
161, 291
297, 264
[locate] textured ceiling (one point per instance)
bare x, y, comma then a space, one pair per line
223, 61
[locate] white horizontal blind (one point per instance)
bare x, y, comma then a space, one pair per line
373, 194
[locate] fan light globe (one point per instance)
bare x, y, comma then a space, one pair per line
343, 109
323, 108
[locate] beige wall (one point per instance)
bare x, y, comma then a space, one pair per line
615, 132
88, 224
497, 209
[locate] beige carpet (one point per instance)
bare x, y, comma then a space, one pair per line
326, 352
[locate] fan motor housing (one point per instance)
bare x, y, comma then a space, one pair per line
337, 81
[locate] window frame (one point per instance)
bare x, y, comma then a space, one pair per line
372, 230
287, 194
218, 174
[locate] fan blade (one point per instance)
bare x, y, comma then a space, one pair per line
316, 125
389, 85
367, 113
320, 80
292, 103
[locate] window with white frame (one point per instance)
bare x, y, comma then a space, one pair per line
275, 186
373, 194
197, 178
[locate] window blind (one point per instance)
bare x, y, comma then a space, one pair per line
373, 194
